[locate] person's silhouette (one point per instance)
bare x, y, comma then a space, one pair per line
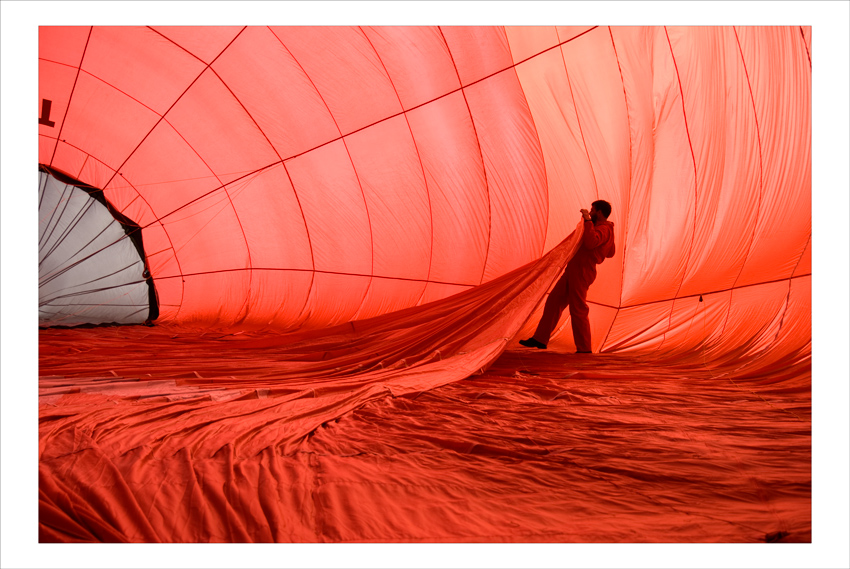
571, 289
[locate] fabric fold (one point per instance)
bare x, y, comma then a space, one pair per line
90, 422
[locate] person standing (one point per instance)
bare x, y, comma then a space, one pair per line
571, 289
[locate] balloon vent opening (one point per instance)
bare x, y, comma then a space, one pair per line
91, 259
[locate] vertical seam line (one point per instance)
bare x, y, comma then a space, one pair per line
761, 178
696, 190
70, 97
480, 153
421, 168
353, 169
623, 248
537, 139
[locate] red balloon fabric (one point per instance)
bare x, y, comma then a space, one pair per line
303, 177
365, 216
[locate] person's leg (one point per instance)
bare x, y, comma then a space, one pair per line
552, 310
579, 311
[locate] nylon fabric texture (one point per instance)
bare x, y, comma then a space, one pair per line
345, 225
315, 209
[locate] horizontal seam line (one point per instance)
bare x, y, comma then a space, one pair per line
704, 293
314, 271
410, 279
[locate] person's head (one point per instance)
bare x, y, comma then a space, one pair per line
599, 208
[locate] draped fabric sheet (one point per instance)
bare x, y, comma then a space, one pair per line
366, 433
346, 229
198, 439
304, 381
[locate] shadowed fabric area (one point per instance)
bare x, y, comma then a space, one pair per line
188, 441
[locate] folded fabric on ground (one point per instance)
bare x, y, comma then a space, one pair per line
541, 447
417, 426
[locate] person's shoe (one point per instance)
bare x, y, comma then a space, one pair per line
532, 343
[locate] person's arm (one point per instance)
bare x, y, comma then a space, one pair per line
595, 235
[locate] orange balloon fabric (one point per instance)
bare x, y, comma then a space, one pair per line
341, 223
297, 178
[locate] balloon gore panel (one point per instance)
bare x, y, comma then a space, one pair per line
326, 174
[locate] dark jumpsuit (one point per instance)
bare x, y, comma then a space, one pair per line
571, 289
